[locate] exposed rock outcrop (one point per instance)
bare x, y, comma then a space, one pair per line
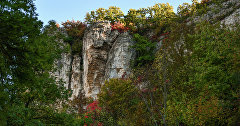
70, 73
106, 54
226, 12
233, 18
63, 68
76, 77
95, 55
119, 57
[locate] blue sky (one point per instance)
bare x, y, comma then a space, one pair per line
63, 10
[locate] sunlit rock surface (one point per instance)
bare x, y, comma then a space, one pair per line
106, 54
120, 57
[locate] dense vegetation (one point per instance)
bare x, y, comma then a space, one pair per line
191, 79
29, 94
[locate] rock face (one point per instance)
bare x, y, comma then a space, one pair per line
227, 13
95, 55
233, 18
63, 68
70, 73
119, 57
106, 54
76, 77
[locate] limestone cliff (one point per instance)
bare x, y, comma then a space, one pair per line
107, 54
119, 57
226, 12
70, 73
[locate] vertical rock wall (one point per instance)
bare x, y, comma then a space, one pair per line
95, 55
76, 77
70, 73
106, 54
63, 69
227, 13
119, 57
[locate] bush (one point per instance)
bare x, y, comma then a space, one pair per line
119, 26
118, 97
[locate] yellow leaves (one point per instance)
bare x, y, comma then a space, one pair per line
131, 24
112, 14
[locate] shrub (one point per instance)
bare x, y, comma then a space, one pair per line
118, 97
119, 26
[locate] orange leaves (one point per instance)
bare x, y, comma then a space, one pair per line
58, 26
120, 27
74, 28
205, 1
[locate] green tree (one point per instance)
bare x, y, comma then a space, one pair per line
203, 76
118, 97
144, 50
131, 19
29, 94
162, 16
215, 62
112, 14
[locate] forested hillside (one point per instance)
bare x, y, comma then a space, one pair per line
172, 68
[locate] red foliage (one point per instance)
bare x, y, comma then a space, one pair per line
119, 26
145, 90
93, 111
124, 75
155, 88
93, 106
165, 35
154, 37
167, 81
99, 124
74, 28
149, 90
139, 79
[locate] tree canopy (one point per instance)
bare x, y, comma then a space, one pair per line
27, 54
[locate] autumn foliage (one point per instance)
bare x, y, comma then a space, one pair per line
93, 106
75, 31
119, 26
74, 28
